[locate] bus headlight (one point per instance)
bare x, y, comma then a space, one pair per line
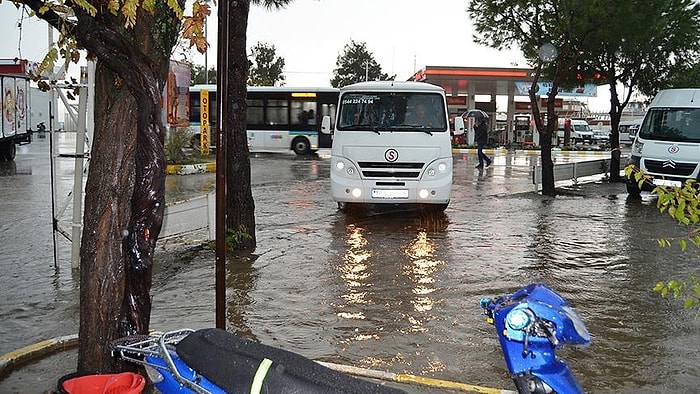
423, 193
442, 167
340, 165
357, 192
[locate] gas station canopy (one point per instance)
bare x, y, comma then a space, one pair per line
466, 81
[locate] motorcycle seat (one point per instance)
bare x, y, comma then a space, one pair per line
231, 362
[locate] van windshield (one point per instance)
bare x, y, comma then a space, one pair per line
672, 124
581, 127
392, 111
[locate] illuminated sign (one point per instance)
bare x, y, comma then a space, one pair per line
299, 94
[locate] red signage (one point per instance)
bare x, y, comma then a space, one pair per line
456, 100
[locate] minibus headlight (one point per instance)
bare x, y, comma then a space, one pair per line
637, 147
442, 167
423, 193
340, 165
357, 192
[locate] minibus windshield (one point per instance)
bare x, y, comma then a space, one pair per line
672, 124
391, 111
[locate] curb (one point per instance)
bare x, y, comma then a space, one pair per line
535, 152
493, 151
28, 353
189, 169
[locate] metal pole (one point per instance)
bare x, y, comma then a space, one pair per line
77, 227
54, 219
221, 89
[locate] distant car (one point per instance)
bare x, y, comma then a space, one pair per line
602, 136
627, 130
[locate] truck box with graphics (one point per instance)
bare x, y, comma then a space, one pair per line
14, 101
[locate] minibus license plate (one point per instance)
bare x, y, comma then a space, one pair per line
389, 193
666, 182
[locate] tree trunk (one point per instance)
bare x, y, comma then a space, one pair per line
546, 152
614, 135
240, 206
126, 182
107, 211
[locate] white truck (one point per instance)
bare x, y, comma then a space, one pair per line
392, 145
667, 146
14, 127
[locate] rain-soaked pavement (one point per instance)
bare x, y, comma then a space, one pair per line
395, 292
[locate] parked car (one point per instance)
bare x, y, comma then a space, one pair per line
627, 130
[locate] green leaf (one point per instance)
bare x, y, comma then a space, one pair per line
689, 302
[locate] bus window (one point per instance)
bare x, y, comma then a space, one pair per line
256, 112
303, 112
277, 112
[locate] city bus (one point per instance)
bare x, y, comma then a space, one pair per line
279, 118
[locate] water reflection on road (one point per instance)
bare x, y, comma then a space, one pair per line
399, 291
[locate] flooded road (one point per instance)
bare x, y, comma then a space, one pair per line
397, 292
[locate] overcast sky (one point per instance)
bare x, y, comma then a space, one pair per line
403, 35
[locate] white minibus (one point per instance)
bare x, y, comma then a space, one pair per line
392, 145
667, 146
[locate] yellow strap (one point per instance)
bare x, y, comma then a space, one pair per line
259, 377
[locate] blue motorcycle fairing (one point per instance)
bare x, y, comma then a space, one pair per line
531, 323
559, 377
547, 305
171, 385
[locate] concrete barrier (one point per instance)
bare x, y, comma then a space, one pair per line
184, 217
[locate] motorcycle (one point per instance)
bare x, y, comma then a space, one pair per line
215, 361
531, 324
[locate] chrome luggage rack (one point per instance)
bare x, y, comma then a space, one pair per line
135, 348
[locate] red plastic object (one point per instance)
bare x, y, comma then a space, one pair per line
121, 383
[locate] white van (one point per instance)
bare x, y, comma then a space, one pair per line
667, 146
580, 131
392, 145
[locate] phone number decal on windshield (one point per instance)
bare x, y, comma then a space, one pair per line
359, 100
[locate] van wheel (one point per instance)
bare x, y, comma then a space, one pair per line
633, 190
301, 146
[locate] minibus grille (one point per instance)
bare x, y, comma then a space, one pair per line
371, 169
669, 167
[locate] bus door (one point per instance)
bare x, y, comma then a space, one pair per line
304, 121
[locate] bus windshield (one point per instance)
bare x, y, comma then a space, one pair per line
392, 111
672, 124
